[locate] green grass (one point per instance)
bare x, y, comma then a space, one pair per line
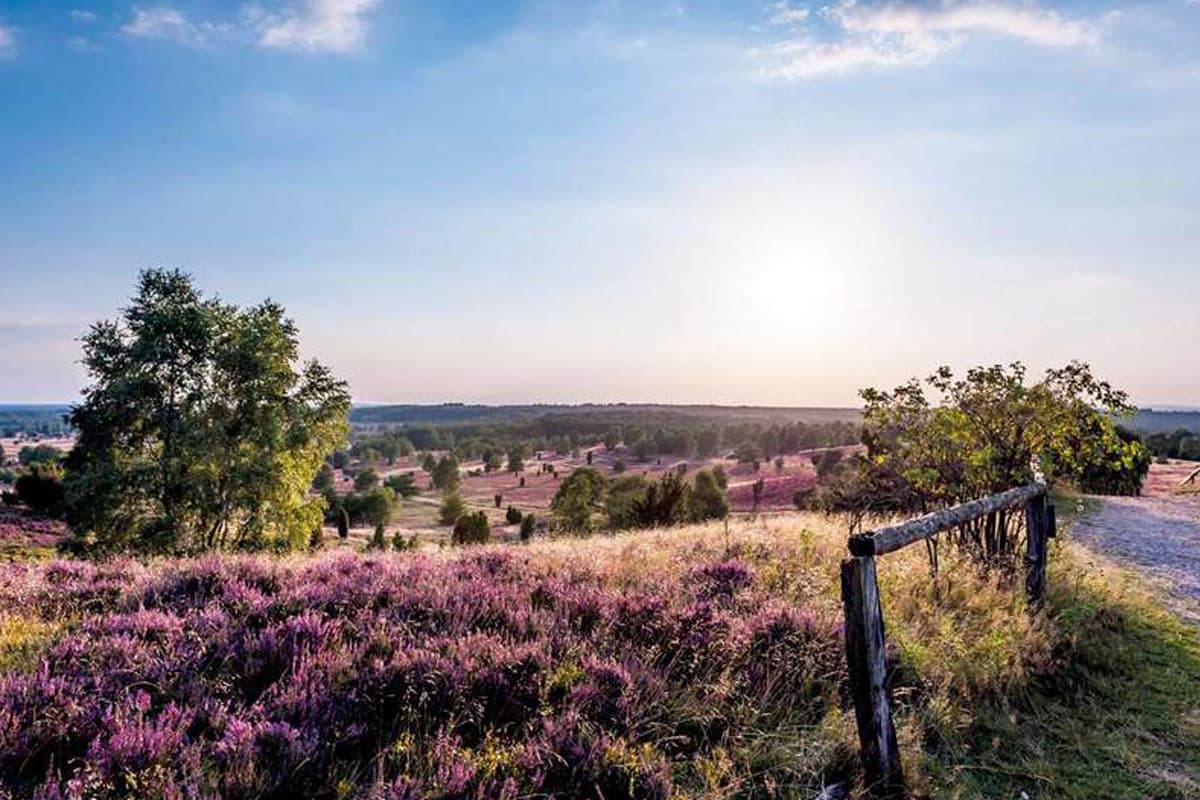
1115, 713
22, 640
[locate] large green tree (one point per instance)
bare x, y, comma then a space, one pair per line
201, 428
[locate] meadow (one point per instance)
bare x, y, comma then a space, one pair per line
700, 661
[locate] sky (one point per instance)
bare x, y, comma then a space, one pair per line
570, 201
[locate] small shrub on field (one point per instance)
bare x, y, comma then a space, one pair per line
40, 487
528, 523
472, 528
451, 509
512, 516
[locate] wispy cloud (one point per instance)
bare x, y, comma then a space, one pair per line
8, 42
783, 12
164, 22
83, 15
336, 26
852, 35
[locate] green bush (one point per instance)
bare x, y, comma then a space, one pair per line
472, 528
41, 489
452, 508
513, 516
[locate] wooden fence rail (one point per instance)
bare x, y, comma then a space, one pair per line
865, 641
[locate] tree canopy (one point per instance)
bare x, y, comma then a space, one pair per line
946, 440
200, 428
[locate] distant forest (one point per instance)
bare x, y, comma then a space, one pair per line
602, 416
1149, 421
47, 420
545, 420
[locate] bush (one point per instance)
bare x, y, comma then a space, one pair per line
445, 474
826, 462
512, 516
403, 485
378, 542
620, 498
366, 479
472, 528
41, 489
38, 454
619, 466
665, 503
1119, 476
452, 508
707, 500
528, 523
576, 499
343, 522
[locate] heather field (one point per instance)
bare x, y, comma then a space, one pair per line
693, 662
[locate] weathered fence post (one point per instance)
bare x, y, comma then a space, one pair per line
868, 678
1037, 527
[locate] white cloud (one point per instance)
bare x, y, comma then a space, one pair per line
164, 22
784, 13
336, 26
1020, 20
8, 42
896, 34
83, 15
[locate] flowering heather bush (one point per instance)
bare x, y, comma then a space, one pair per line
777, 492
21, 530
495, 674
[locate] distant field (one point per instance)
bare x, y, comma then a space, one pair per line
611, 414
418, 515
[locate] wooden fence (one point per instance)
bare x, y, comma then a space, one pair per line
865, 652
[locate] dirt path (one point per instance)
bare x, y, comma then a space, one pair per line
1159, 534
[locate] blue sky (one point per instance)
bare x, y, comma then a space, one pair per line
753, 202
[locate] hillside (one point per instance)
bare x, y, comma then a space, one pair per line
1150, 420
692, 662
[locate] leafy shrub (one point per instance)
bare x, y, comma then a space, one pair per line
472, 528
512, 516
451, 509
707, 499
404, 485
619, 499
366, 479
40, 487
577, 498
30, 455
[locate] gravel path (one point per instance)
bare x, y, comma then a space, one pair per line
1160, 535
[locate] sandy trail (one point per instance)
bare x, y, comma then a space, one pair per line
1159, 534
